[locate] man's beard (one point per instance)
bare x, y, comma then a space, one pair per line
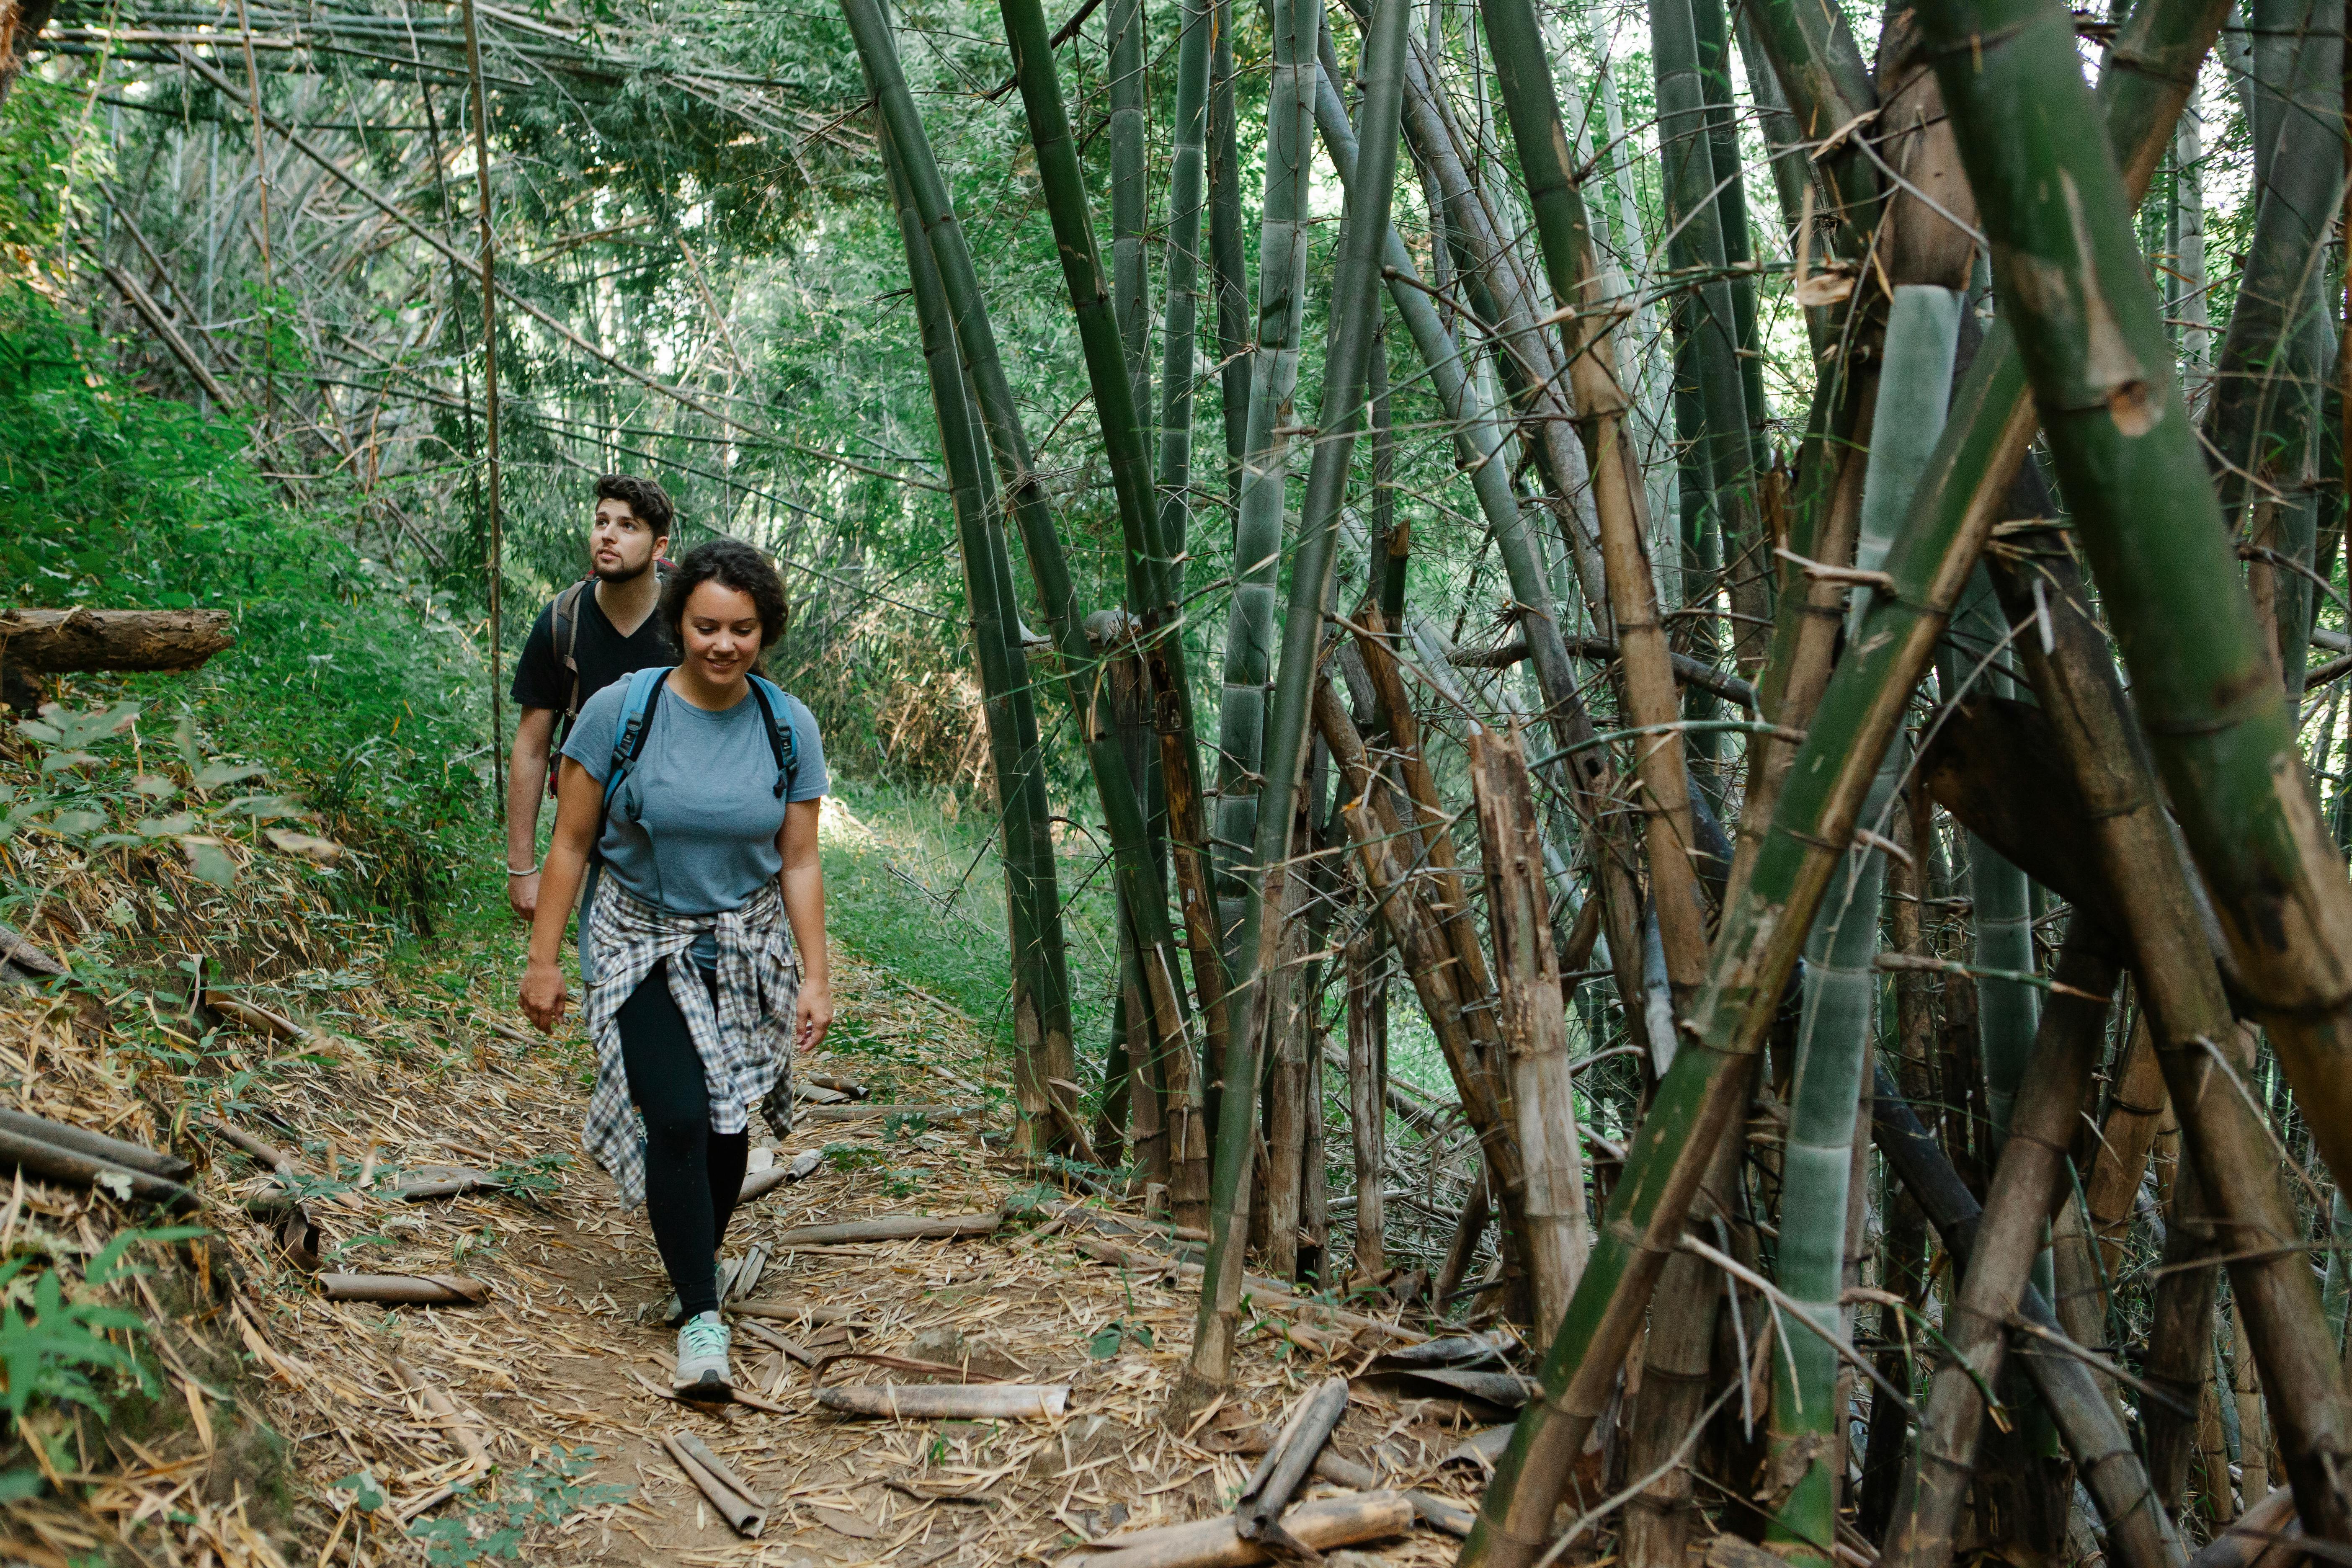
618, 576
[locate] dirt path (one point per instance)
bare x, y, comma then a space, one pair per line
545, 1375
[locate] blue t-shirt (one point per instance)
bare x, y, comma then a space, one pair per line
705, 816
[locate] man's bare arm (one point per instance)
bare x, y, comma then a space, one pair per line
526, 785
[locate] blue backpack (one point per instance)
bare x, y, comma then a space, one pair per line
637, 720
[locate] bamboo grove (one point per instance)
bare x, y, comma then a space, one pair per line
1766, 603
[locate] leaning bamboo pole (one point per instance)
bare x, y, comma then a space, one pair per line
1153, 563
2025, 1188
1951, 517
1130, 273
1355, 314
1033, 897
489, 286
2254, 1215
2219, 727
1024, 493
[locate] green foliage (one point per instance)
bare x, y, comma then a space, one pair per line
348, 685
53, 1343
481, 1527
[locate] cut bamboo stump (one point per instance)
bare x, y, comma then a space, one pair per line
1216, 1543
899, 1227
58, 641
405, 1290
950, 1401
728, 1492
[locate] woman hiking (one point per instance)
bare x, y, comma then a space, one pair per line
698, 787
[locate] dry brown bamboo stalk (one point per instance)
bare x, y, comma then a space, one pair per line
2246, 1389
949, 1401
1287, 1461
411, 1290
444, 1412
2135, 1111
1215, 1543
2205, 1057
39, 1158
87, 639
1367, 1066
1559, 1238
893, 1227
2180, 1342
745, 1516
2009, 1234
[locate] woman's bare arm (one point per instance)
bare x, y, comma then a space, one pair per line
802, 883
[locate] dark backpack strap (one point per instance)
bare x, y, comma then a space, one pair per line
567, 638
782, 743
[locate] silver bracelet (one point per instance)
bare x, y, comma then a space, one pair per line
526, 872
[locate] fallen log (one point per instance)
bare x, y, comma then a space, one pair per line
57, 641
19, 951
898, 1227
949, 1400
408, 1289
73, 1167
1215, 1542
839, 1085
97, 1145
735, 1501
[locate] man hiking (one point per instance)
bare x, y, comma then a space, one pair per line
595, 633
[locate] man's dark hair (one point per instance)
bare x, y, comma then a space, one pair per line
730, 563
649, 502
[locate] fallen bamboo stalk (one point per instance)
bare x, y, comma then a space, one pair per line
786, 1312
454, 1184
747, 1516
97, 1145
1432, 1510
948, 1401
1276, 1480
261, 1020
898, 1227
411, 1289
760, 1183
870, 1109
838, 1084
58, 641
444, 1412
2253, 1534
34, 1157
269, 1154
780, 1341
1216, 1543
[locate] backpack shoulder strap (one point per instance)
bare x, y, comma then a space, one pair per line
777, 711
630, 729
566, 617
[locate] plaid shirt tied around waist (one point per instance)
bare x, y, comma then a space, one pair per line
745, 1042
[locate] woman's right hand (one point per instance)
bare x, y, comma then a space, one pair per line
542, 995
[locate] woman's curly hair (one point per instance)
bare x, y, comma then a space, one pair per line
731, 563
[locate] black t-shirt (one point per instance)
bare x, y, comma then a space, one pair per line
603, 655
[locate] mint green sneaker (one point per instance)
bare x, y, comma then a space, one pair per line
702, 1372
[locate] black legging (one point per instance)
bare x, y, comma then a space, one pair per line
693, 1176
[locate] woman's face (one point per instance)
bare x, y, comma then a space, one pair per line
721, 632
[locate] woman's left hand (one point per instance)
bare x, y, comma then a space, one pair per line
812, 1015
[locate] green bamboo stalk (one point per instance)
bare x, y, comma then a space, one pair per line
1834, 1032
1731, 213
1274, 380
1180, 321
1226, 249
1828, 89
1033, 896
999, 416
1130, 273
1958, 502
1355, 315
1153, 573
2220, 728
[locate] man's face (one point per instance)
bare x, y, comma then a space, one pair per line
619, 546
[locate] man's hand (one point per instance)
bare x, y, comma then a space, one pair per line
812, 1015
523, 896
542, 995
